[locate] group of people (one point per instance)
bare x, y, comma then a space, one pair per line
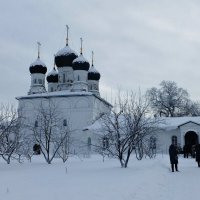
173, 154
189, 150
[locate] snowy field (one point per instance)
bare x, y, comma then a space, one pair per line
92, 179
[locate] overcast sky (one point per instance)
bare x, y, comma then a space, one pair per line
137, 43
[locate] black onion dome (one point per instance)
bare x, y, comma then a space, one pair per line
93, 74
38, 67
65, 57
80, 63
52, 77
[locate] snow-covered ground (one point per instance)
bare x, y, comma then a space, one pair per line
92, 179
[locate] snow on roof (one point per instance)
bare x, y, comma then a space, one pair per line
56, 93
96, 126
93, 70
52, 72
175, 122
80, 59
99, 126
37, 62
167, 123
63, 93
65, 51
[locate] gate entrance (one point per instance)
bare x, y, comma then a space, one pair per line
191, 138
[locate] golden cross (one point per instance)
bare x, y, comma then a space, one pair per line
81, 45
67, 39
92, 57
39, 44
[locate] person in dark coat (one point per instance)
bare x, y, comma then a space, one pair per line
197, 149
173, 154
186, 151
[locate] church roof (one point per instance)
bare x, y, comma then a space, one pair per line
167, 123
176, 122
189, 122
52, 76
65, 57
80, 63
63, 93
65, 51
38, 67
93, 74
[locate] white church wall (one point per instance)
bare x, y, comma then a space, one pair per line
77, 111
65, 78
164, 139
99, 108
189, 127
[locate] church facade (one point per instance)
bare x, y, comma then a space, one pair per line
180, 131
73, 86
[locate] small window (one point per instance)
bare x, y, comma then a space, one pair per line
89, 143
152, 142
36, 123
51, 89
35, 81
63, 78
105, 143
64, 122
78, 78
40, 81
174, 140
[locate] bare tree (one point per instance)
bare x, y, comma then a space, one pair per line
169, 100
25, 147
126, 129
48, 129
65, 147
10, 125
191, 108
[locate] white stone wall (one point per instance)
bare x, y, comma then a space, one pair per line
37, 83
93, 86
65, 78
80, 80
52, 87
164, 139
79, 111
189, 127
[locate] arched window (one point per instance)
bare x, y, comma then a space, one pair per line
36, 149
64, 122
152, 142
105, 143
40, 81
89, 143
174, 140
36, 123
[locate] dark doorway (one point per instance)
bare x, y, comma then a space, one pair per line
191, 138
36, 149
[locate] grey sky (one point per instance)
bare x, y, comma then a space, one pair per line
137, 43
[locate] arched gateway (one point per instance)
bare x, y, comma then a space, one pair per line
191, 138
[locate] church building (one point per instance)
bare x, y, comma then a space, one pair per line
73, 85
181, 131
